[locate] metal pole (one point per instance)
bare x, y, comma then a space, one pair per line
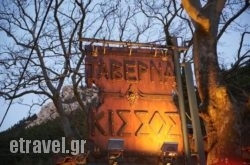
128, 43
181, 101
199, 144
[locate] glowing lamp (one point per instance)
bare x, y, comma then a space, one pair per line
170, 147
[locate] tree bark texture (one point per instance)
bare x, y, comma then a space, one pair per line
217, 109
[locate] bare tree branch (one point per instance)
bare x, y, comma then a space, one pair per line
194, 10
235, 16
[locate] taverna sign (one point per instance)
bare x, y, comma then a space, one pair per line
136, 83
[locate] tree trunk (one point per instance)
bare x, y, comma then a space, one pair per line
65, 123
216, 109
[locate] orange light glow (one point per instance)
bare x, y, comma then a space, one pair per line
137, 104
